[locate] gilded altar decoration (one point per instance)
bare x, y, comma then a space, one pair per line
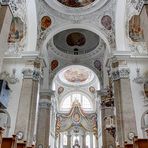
76, 39
135, 29
17, 32
106, 21
75, 119
54, 64
45, 22
76, 3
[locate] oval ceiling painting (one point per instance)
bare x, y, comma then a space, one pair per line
76, 3
76, 75
75, 38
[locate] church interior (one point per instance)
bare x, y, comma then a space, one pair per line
73, 74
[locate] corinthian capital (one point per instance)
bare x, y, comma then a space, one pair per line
120, 73
31, 74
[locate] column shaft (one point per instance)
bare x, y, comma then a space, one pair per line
43, 126
125, 114
26, 115
69, 141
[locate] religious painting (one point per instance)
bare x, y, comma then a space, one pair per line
76, 3
106, 21
97, 65
75, 39
45, 22
60, 90
135, 30
54, 64
17, 32
146, 88
76, 75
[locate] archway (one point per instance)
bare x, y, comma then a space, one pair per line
75, 100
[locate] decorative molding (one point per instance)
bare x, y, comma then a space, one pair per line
120, 73
9, 78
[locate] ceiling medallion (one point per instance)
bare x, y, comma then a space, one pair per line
106, 21
45, 22
76, 3
54, 64
92, 89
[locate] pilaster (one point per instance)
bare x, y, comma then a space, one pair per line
43, 126
125, 114
27, 109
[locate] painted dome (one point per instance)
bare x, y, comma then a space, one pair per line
76, 75
76, 3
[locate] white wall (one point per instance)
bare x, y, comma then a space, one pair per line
137, 92
15, 94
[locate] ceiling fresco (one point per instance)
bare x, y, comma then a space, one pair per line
75, 38
76, 41
76, 75
76, 3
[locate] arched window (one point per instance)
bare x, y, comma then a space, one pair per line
94, 141
75, 138
83, 99
88, 141
65, 139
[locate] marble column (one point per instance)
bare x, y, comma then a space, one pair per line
43, 124
107, 138
27, 109
91, 140
125, 114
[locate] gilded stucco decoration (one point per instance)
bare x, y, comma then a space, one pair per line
75, 118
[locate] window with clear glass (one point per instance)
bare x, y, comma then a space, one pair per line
65, 139
88, 141
84, 100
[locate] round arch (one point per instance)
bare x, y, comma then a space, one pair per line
78, 92
71, 26
44, 52
57, 71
